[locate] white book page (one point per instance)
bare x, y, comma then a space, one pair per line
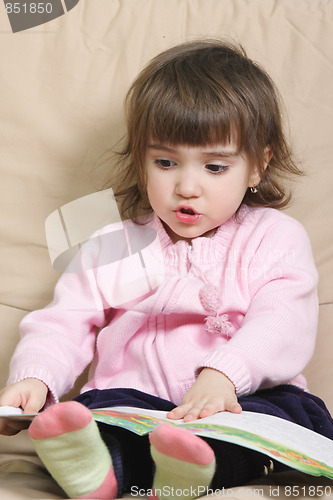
275, 429
13, 413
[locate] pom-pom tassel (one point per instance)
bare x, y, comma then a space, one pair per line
210, 297
218, 324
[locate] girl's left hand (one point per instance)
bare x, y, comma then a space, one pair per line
211, 393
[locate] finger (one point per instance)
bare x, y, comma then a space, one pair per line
9, 400
3, 427
209, 409
7, 430
178, 412
233, 407
230, 405
12, 427
33, 404
192, 414
31, 409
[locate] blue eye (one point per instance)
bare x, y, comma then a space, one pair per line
162, 163
216, 169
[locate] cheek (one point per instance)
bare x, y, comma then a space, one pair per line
154, 189
149, 194
149, 183
157, 183
236, 185
229, 195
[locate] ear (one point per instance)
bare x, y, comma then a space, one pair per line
256, 174
268, 154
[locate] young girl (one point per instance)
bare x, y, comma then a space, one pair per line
215, 310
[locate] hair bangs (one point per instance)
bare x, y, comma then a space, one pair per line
190, 122
185, 104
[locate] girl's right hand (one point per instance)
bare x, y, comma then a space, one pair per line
29, 394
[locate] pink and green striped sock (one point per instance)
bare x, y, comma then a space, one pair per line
185, 463
69, 444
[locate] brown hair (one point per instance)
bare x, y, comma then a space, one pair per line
199, 93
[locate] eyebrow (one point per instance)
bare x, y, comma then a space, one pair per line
220, 154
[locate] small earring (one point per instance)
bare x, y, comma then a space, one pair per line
253, 189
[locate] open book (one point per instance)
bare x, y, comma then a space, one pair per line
286, 442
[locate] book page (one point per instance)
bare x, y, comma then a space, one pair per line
12, 413
284, 441
289, 443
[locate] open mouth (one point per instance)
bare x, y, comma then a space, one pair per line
188, 211
187, 215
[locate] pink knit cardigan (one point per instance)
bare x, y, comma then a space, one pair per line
149, 314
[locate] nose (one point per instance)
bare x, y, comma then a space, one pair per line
188, 183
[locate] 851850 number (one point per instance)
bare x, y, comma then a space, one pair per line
28, 8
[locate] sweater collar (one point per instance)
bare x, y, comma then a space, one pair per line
204, 249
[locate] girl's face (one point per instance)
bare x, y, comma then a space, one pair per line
193, 190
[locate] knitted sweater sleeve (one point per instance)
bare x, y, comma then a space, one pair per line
277, 336
58, 342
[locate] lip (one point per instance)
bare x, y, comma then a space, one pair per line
183, 215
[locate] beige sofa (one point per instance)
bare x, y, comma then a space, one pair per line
61, 90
